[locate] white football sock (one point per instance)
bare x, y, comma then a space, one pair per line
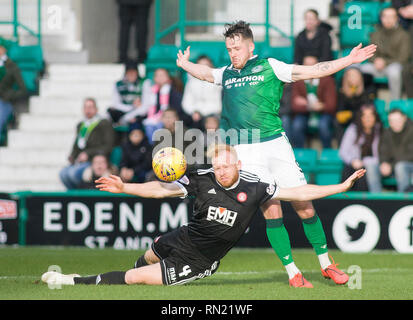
324, 260
292, 270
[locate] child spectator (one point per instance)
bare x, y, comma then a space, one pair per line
127, 104
136, 155
99, 167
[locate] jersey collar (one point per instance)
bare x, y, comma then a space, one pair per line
252, 58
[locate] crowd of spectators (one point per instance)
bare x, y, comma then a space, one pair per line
339, 111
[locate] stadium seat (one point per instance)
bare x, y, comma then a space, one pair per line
369, 9
161, 56
214, 50
30, 61
350, 36
329, 167
389, 181
382, 111
284, 54
307, 160
405, 105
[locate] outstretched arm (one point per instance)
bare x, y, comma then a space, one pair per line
326, 68
310, 191
153, 189
200, 71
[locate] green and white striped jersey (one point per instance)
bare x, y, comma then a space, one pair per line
251, 99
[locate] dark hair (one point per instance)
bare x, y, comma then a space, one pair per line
91, 100
359, 114
312, 11
394, 110
238, 28
172, 110
202, 57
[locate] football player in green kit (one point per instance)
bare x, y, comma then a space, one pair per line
252, 89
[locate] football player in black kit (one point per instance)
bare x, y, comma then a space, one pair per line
226, 200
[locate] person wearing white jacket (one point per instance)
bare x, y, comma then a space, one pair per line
201, 98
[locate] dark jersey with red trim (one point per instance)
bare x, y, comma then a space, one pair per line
221, 215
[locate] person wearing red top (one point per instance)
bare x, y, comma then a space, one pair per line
313, 104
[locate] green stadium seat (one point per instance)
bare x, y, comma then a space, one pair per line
116, 156
307, 160
214, 50
389, 181
30, 79
405, 105
161, 56
382, 111
284, 54
329, 167
370, 9
30, 61
351, 37
27, 57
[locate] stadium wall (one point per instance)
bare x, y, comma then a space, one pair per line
355, 222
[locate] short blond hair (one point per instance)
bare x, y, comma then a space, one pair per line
215, 149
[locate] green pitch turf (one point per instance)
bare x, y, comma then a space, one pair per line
243, 274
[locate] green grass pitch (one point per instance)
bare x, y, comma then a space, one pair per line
245, 274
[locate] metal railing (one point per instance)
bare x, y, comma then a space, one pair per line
182, 23
18, 24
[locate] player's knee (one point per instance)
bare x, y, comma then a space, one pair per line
132, 277
272, 210
304, 209
151, 257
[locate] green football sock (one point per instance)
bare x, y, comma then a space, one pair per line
279, 240
314, 232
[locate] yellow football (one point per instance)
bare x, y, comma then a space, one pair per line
169, 164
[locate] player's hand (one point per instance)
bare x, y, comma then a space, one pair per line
348, 184
112, 184
359, 54
183, 57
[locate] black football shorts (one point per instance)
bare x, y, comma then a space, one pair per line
180, 260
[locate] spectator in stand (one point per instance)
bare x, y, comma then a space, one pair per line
164, 94
396, 150
94, 134
127, 104
314, 40
201, 98
136, 155
12, 86
133, 12
405, 11
353, 93
393, 50
100, 167
359, 148
314, 104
